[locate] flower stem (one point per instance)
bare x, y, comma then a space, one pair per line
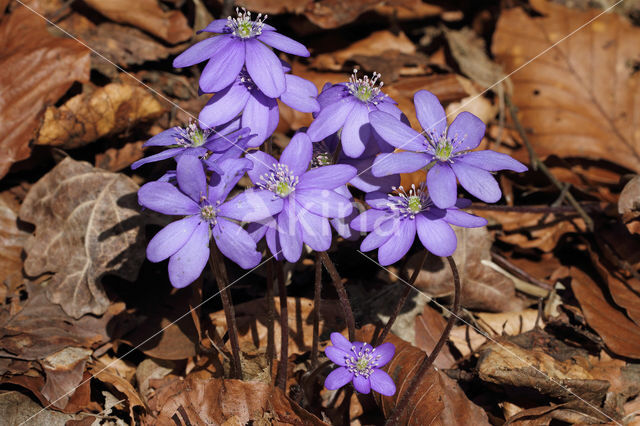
284, 329
342, 294
271, 344
317, 297
401, 302
220, 273
403, 400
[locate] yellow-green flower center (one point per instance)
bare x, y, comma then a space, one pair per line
283, 188
414, 204
444, 150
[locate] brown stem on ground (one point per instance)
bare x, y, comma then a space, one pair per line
220, 273
342, 294
271, 343
281, 381
317, 296
403, 400
401, 302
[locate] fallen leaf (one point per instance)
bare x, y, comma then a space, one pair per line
63, 371
37, 69
87, 225
42, 328
108, 110
629, 205
579, 99
111, 378
12, 240
18, 408
438, 400
170, 26
116, 159
620, 334
429, 327
482, 287
214, 401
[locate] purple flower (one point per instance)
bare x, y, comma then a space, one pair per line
448, 149
242, 42
360, 363
394, 219
346, 106
259, 112
186, 241
307, 199
209, 144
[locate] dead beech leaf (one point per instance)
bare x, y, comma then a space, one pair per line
63, 371
429, 327
214, 401
111, 378
482, 287
579, 99
629, 205
37, 69
438, 399
12, 240
42, 328
108, 110
116, 159
620, 334
87, 225
170, 26
18, 408
252, 323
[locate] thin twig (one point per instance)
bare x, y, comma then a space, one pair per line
317, 297
342, 294
536, 164
402, 301
220, 273
271, 340
403, 400
284, 328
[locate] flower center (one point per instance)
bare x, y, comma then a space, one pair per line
208, 212
409, 204
243, 26
279, 180
443, 149
192, 136
362, 363
366, 89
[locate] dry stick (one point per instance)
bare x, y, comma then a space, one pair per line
284, 328
401, 405
401, 302
317, 296
536, 163
271, 340
342, 294
220, 273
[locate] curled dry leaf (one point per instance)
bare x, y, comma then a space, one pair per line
63, 370
438, 399
620, 334
214, 401
170, 26
42, 328
120, 385
482, 287
629, 205
109, 110
87, 225
580, 99
37, 69
116, 159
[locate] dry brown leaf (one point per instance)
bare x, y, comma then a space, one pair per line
63, 370
438, 399
252, 323
428, 328
42, 328
106, 111
581, 98
37, 69
171, 26
12, 240
18, 408
110, 377
87, 225
482, 287
629, 205
214, 401
620, 334
116, 159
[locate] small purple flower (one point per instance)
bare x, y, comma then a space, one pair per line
394, 219
209, 144
448, 149
361, 364
241, 42
186, 241
260, 112
347, 106
307, 199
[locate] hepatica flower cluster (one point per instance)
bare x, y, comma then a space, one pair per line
359, 140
